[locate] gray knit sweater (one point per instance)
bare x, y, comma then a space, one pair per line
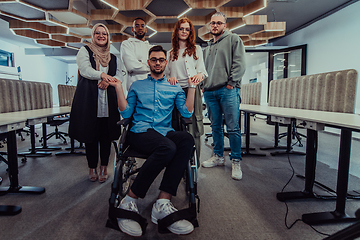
224, 61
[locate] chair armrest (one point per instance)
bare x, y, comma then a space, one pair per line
185, 121
124, 122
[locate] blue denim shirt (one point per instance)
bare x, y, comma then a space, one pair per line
151, 103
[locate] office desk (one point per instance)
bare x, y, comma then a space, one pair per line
35, 117
10, 122
8, 126
315, 121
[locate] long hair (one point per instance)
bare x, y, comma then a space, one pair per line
190, 41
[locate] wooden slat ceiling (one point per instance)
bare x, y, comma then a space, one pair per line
68, 23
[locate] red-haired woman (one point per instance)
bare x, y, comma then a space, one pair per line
185, 60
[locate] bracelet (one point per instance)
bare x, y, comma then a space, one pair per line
192, 86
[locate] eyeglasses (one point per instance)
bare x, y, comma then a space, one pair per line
184, 29
139, 25
154, 60
216, 23
101, 33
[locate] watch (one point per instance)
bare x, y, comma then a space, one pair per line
192, 86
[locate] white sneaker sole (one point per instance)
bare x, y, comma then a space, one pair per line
213, 165
128, 231
175, 231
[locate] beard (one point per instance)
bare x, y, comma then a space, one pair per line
138, 36
160, 71
217, 34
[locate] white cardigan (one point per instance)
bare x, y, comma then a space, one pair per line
87, 71
192, 66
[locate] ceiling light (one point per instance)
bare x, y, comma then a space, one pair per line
57, 23
154, 31
256, 10
109, 5
261, 44
184, 13
151, 28
11, 30
32, 6
67, 45
153, 34
237, 27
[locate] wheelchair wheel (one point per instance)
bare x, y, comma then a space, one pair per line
123, 178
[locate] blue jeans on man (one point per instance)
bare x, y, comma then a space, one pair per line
225, 102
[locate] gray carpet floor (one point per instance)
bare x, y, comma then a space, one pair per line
75, 208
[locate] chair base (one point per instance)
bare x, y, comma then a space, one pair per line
9, 210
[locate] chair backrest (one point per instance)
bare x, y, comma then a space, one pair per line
18, 95
66, 94
251, 93
331, 91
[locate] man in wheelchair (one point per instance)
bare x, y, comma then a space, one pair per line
150, 102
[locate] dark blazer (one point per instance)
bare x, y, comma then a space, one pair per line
84, 107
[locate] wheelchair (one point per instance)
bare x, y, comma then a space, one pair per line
125, 170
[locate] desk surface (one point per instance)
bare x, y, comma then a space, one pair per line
37, 113
8, 124
334, 119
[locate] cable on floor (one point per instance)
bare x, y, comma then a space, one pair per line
287, 208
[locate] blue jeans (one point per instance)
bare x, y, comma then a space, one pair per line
225, 102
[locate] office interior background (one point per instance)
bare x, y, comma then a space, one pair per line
331, 45
331, 42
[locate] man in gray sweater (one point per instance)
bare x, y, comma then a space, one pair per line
224, 59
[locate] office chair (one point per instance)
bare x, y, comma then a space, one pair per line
55, 122
294, 133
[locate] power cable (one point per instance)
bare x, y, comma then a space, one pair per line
287, 208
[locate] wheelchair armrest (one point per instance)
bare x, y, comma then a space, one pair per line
124, 122
185, 121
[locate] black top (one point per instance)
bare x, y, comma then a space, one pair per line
84, 107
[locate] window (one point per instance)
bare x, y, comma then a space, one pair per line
6, 59
283, 63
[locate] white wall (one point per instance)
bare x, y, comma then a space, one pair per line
257, 67
333, 43
37, 68
73, 73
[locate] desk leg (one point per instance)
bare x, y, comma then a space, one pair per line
33, 152
276, 137
339, 214
288, 144
247, 138
9, 210
72, 150
310, 166
246, 148
13, 170
44, 137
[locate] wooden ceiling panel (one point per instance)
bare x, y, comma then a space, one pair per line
69, 24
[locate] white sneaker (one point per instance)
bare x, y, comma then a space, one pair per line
236, 172
129, 226
163, 208
215, 160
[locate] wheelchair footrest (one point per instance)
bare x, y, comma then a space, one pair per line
184, 214
115, 213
